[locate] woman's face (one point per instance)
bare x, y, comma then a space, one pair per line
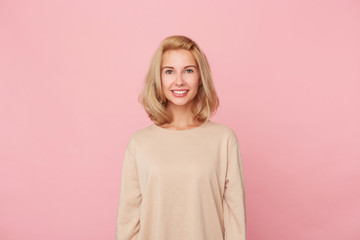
179, 77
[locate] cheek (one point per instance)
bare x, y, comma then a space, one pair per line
165, 82
166, 79
163, 79
195, 79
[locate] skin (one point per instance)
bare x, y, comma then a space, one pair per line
179, 70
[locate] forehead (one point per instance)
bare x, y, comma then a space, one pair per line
178, 57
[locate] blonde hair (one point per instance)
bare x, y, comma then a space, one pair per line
152, 97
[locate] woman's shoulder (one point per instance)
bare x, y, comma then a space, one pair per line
222, 128
139, 135
225, 133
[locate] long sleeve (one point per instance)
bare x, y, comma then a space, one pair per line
234, 196
128, 215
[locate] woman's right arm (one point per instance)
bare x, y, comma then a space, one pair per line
128, 215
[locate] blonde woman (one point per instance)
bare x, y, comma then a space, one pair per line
181, 176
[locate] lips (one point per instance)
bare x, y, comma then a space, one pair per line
180, 93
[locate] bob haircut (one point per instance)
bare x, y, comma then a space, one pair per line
152, 97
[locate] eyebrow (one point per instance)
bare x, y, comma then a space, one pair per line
184, 67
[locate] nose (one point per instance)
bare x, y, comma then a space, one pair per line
179, 80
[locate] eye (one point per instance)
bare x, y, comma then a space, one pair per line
169, 71
189, 70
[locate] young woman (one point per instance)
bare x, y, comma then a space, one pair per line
181, 176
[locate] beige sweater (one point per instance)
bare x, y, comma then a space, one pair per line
182, 185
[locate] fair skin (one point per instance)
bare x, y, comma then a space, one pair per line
179, 71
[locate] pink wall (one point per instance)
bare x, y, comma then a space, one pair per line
287, 74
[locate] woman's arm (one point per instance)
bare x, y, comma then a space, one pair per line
234, 196
128, 215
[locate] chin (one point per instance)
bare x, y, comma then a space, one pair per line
182, 103
179, 103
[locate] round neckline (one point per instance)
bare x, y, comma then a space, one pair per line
183, 130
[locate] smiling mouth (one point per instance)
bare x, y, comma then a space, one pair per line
179, 92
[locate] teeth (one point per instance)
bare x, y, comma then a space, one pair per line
179, 92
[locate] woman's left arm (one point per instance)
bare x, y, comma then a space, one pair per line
234, 196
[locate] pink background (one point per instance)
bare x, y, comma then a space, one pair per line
288, 78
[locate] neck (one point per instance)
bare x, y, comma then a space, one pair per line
183, 117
